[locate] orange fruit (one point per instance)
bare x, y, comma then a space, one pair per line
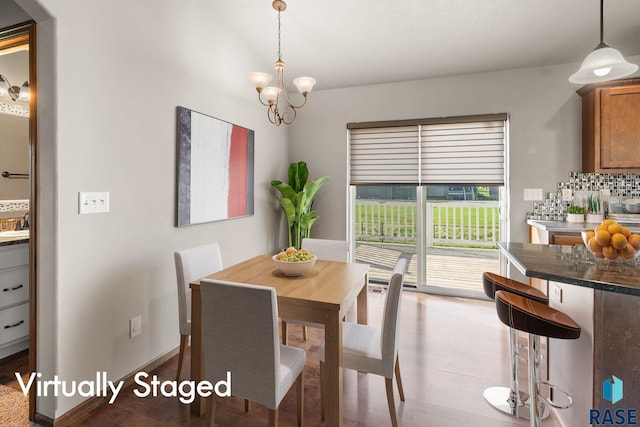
626, 232
607, 222
589, 234
602, 237
628, 252
594, 246
602, 227
634, 239
291, 250
610, 252
618, 241
614, 228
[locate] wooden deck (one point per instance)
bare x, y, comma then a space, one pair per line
454, 268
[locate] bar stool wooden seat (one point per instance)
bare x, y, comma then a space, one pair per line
511, 400
537, 319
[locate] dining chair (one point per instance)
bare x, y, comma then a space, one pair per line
374, 350
192, 264
240, 336
324, 249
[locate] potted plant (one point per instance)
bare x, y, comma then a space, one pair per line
575, 213
594, 210
297, 200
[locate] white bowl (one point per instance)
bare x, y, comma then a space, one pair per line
294, 268
631, 206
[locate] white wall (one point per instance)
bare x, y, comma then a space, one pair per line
545, 129
109, 85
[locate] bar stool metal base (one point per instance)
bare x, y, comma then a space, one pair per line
501, 399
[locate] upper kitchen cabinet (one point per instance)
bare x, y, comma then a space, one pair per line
611, 126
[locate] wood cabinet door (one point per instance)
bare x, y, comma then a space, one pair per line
620, 128
566, 239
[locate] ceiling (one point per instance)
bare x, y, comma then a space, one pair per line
362, 42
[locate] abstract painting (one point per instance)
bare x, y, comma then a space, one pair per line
215, 169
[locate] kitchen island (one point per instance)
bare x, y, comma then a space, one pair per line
604, 298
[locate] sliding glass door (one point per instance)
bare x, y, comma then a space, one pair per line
446, 234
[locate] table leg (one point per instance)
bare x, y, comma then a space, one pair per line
362, 302
197, 366
333, 370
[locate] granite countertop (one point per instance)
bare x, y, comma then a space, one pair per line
574, 265
570, 227
13, 240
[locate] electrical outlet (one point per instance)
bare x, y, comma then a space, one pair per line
135, 326
567, 194
533, 194
93, 202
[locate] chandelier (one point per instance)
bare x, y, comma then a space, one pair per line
603, 63
20, 94
280, 109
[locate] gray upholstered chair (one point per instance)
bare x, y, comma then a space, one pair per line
240, 336
325, 249
192, 264
374, 350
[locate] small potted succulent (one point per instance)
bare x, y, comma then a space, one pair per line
594, 210
575, 213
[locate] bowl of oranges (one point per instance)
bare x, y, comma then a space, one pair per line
612, 241
294, 262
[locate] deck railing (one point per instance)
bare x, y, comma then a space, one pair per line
456, 223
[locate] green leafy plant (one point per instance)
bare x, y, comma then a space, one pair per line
297, 200
576, 210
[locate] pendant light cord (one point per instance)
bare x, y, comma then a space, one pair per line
601, 21
279, 54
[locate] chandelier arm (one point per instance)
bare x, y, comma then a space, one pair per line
266, 104
284, 91
293, 118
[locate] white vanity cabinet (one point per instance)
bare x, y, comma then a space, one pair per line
14, 298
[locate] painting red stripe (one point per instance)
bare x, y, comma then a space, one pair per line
237, 199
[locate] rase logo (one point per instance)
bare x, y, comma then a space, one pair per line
613, 391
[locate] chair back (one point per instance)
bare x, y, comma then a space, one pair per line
328, 250
240, 335
193, 264
391, 324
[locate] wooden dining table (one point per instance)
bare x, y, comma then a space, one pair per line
323, 295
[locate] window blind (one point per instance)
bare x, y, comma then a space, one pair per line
463, 153
384, 155
452, 150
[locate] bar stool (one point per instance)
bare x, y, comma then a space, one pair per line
537, 320
511, 400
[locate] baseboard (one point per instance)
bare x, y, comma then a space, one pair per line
78, 413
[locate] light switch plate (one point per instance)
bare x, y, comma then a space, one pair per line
93, 202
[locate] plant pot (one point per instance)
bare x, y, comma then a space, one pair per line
595, 218
576, 218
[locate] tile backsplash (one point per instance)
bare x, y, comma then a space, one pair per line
620, 185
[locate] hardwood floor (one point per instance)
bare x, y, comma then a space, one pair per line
451, 349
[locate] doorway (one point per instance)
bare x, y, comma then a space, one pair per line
18, 55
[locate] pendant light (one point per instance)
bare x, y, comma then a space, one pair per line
273, 95
604, 63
